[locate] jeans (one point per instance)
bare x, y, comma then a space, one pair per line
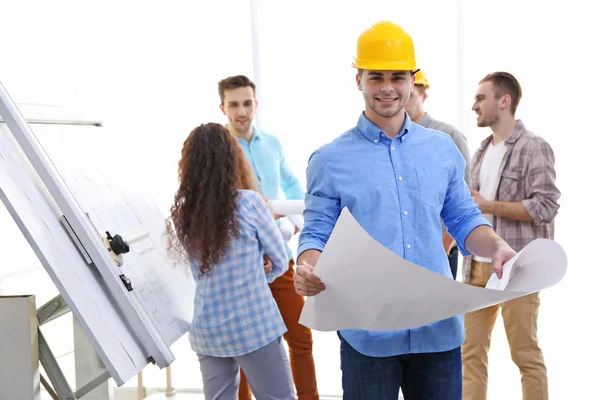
421, 376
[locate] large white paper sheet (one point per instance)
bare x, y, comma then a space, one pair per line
370, 287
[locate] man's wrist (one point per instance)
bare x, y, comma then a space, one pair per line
488, 207
499, 244
309, 256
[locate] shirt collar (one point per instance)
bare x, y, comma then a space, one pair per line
517, 131
515, 134
373, 133
256, 135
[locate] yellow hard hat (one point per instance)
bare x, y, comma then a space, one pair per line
421, 79
385, 46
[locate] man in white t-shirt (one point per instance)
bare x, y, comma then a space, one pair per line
489, 177
513, 181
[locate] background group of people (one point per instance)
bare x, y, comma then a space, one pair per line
410, 182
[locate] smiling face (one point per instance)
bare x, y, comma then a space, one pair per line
385, 92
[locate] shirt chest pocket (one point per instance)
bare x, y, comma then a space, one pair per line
433, 184
511, 185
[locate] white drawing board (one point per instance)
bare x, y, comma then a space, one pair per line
66, 167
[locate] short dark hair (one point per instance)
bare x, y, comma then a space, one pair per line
234, 82
505, 83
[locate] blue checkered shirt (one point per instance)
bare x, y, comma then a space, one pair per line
234, 310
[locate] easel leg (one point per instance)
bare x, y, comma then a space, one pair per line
55, 375
48, 388
88, 365
141, 390
170, 391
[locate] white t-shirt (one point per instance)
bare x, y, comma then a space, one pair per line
489, 177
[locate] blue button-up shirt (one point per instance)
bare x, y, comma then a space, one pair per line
234, 309
397, 190
270, 168
272, 172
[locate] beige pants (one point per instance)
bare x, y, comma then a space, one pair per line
520, 322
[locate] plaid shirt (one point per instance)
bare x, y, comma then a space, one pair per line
234, 310
526, 174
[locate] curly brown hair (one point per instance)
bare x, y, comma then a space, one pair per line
211, 170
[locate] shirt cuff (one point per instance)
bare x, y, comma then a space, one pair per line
309, 245
531, 206
467, 228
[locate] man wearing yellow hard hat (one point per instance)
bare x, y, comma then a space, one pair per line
397, 179
416, 111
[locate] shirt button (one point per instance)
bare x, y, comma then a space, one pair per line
408, 246
405, 212
375, 140
393, 148
399, 178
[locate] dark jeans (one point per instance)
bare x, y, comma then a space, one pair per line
453, 260
424, 376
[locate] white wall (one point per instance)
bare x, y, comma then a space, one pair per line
306, 50
152, 72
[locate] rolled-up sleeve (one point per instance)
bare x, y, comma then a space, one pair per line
322, 206
460, 213
540, 185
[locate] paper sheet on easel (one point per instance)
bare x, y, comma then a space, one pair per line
370, 287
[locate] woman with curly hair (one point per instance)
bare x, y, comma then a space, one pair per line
224, 228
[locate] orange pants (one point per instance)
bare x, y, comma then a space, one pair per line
298, 338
